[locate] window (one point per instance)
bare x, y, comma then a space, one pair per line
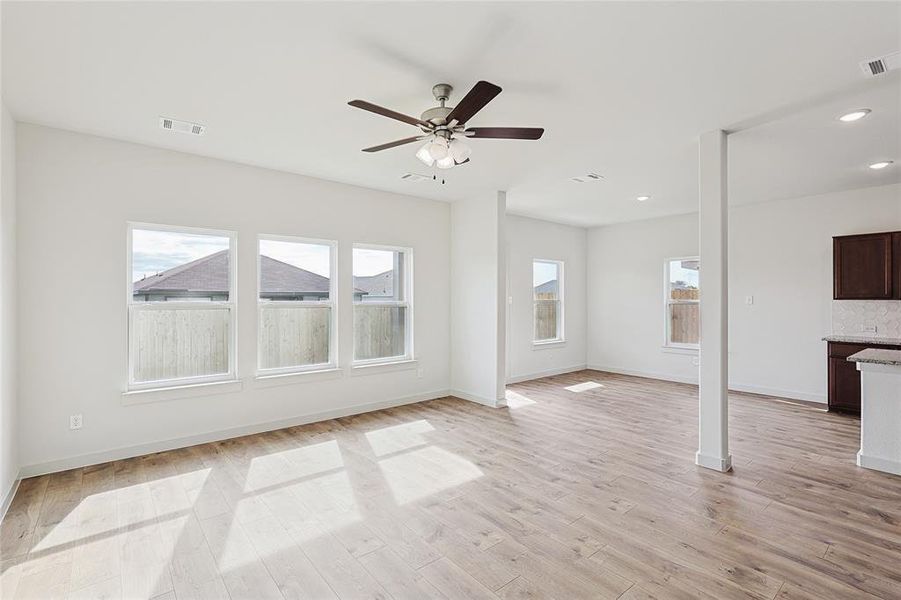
181, 310
682, 302
382, 304
296, 299
547, 289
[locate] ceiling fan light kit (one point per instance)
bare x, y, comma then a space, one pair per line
444, 128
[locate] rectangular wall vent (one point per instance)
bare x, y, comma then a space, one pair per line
415, 177
588, 177
881, 64
181, 126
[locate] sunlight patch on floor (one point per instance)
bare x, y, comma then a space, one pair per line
516, 400
298, 463
420, 473
584, 387
96, 515
388, 440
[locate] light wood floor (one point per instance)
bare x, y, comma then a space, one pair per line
564, 495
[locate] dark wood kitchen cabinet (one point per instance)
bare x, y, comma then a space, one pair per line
896, 263
844, 378
867, 266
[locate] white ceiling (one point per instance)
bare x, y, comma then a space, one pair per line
622, 89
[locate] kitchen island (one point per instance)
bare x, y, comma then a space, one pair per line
880, 416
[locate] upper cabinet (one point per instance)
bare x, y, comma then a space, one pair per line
867, 266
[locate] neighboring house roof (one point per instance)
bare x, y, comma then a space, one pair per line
277, 277
376, 285
210, 274
547, 287
207, 274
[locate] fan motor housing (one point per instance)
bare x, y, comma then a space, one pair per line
437, 115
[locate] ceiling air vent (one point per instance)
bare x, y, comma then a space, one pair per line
415, 177
877, 66
588, 177
181, 126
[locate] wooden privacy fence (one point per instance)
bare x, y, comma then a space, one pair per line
684, 318
545, 319
175, 343
684, 326
193, 342
293, 336
379, 331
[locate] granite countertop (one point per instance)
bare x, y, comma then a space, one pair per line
863, 339
876, 356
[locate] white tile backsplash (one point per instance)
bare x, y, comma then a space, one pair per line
857, 317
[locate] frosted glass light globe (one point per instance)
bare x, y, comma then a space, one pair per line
438, 149
423, 154
446, 163
459, 150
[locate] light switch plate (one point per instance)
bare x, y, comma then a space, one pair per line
868, 328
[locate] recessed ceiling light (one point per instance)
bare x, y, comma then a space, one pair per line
643, 198
855, 115
881, 164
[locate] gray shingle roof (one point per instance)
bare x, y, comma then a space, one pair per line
210, 274
376, 285
547, 287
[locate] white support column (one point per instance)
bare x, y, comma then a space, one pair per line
713, 225
501, 333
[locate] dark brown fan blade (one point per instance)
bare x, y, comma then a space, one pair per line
506, 133
393, 144
481, 94
385, 112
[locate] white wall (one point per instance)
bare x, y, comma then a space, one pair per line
9, 462
478, 310
76, 193
625, 296
780, 253
528, 239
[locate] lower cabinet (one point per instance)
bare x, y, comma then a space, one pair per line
844, 378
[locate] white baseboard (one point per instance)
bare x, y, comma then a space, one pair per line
548, 373
10, 494
723, 465
94, 458
879, 464
735, 387
779, 393
646, 374
477, 399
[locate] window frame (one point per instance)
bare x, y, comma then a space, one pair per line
132, 307
407, 303
668, 302
561, 317
331, 303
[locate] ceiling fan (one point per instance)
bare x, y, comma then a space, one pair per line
444, 128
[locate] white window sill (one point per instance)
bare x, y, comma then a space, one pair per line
548, 344
404, 364
679, 350
275, 379
194, 390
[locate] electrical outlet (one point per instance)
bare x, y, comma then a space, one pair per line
419, 372
868, 328
75, 421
